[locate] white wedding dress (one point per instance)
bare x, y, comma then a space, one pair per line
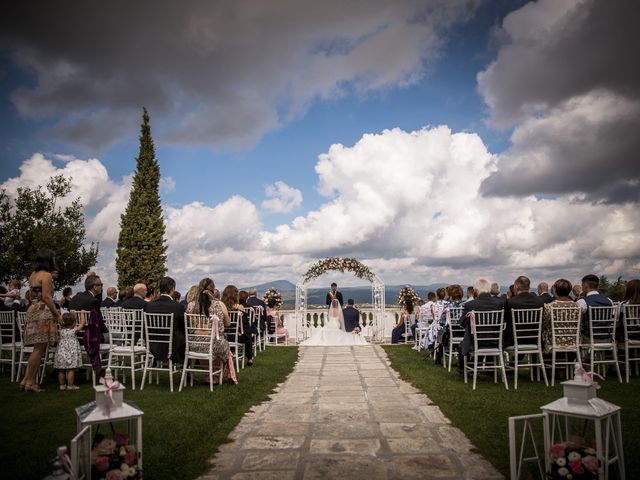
333, 333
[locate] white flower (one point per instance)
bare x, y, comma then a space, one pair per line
573, 456
561, 462
563, 472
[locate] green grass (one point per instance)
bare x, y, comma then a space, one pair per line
482, 414
181, 431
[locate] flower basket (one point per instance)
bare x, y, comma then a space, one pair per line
273, 295
115, 459
407, 293
573, 460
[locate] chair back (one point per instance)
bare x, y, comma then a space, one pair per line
488, 329
235, 325
565, 326
20, 319
7, 327
527, 325
631, 323
453, 322
200, 331
602, 324
158, 329
123, 328
82, 318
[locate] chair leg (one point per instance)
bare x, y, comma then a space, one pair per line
627, 364
144, 372
171, 375
184, 374
133, 371
615, 357
553, 367
515, 373
504, 372
475, 370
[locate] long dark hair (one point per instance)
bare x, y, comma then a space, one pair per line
632, 293
45, 261
409, 306
204, 298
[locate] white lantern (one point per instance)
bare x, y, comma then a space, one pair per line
108, 410
580, 402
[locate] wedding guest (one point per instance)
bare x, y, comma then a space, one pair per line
123, 294
137, 300
204, 303
151, 294
112, 296
230, 298
470, 294
522, 299
400, 328
511, 292
165, 304
90, 300
562, 289
483, 302
543, 292
591, 298
631, 297
190, 296
68, 354
426, 316
438, 310
454, 300
67, 294
273, 317
176, 296
254, 301
12, 296
577, 292
42, 315
495, 289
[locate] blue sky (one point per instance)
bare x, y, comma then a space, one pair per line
249, 102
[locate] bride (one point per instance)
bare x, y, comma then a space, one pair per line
334, 333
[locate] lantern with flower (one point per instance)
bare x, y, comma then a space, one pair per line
407, 293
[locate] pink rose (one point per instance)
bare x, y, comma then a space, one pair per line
576, 467
557, 450
101, 463
121, 438
105, 447
115, 475
591, 463
130, 458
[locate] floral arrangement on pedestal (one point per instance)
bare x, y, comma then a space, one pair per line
573, 460
407, 293
115, 459
273, 295
341, 264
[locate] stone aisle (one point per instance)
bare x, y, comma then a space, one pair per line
344, 413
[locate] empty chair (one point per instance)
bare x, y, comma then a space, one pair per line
456, 334
124, 327
235, 329
158, 330
200, 332
527, 326
487, 328
565, 336
602, 337
8, 341
631, 341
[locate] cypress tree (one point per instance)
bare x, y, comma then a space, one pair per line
141, 253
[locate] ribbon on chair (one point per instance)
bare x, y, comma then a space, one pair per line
110, 387
215, 330
447, 317
587, 377
472, 321
241, 322
63, 456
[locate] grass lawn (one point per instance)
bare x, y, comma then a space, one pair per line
482, 414
181, 431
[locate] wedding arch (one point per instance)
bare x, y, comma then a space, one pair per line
342, 265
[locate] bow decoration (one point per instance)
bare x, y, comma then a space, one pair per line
587, 377
110, 385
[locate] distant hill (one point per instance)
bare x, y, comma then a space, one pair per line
360, 295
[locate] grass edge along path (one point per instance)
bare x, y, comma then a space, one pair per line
483, 414
181, 431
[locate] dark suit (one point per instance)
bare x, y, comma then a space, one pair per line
133, 303
546, 297
483, 303
256, 302
338, 295
86, 301
351, 318
165, 304
108, 303
522, 300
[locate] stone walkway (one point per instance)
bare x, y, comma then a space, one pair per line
344, 413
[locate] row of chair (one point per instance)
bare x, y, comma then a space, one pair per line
566, 340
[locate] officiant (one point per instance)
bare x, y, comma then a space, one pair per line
334, 293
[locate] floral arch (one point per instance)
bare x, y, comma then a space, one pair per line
342, 265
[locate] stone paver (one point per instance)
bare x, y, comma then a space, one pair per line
344, 413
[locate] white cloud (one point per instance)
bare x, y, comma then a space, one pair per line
281, 198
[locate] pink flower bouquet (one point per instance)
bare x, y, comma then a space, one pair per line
115, 459
574, 460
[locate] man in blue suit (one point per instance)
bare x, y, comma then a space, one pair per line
351, 316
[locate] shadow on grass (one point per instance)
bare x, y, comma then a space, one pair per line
483, 414
181, 431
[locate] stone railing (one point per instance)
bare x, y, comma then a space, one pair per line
317, 316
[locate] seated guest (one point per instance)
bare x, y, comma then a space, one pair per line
166, 304
231, 299
543, 292
426, 314
522, 299
470, 294
176, 296
90, 300
562, 290
112, 296
591, 298
495, 289
136, 301
151, 294
400, 328
631, 297
202, 302
190, 296
123, 295
577, 292
67, 294
482, 302
254, 301
273, 317
438, 308
454, 300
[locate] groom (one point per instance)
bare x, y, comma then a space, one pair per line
351, 316
334, 293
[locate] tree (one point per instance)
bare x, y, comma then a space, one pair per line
34, 219
141, 251
615, 291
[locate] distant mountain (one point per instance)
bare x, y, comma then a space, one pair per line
281, 285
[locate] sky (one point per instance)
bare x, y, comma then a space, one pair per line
435, 140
